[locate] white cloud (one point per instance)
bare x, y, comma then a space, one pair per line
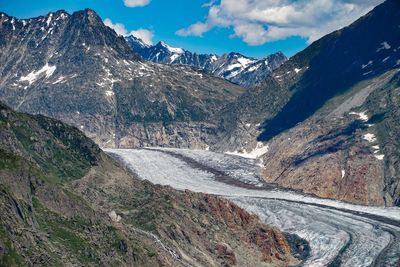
260, 21
120, 29
117, 27
144, 34
196, 29
136, 3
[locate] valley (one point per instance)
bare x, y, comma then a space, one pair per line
118, 152
339, 234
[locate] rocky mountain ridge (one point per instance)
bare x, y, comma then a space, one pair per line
322, 114
234, 67
74, 68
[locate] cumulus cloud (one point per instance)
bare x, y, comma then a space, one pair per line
144, 34
257, 22
136, 3
117, 27
120, 29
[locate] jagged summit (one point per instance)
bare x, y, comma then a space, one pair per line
235, 67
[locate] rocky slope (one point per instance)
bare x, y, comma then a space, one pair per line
64, 202
74, 68
328, 114
234, 67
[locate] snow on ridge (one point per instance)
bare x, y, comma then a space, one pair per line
173, 49
34, 75
49, 19
245, 61
256, 153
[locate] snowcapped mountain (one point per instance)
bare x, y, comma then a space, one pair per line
74, 68
245, 71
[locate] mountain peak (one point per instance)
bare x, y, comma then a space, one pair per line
89, 15
170, 48
234, 66
133, 40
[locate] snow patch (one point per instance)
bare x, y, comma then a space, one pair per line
384, 45
260, 150
213, 58
109, 93
367, 65
367, 73
343, 173
369, 137
174, 57
34, 75
233, 66
297, 70
380, 157
254, 68
61, 79
12, 23
362, 115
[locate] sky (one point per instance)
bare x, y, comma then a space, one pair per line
254, 28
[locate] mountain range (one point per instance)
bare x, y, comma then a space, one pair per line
323, 121
234, 67
76, 69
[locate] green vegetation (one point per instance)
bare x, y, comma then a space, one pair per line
67, 233
9, 161
10, 256
62, 152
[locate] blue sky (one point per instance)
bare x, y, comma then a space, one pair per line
252, 27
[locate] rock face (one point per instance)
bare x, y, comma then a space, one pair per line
74, 68
234, 67
64, 202
328, 114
